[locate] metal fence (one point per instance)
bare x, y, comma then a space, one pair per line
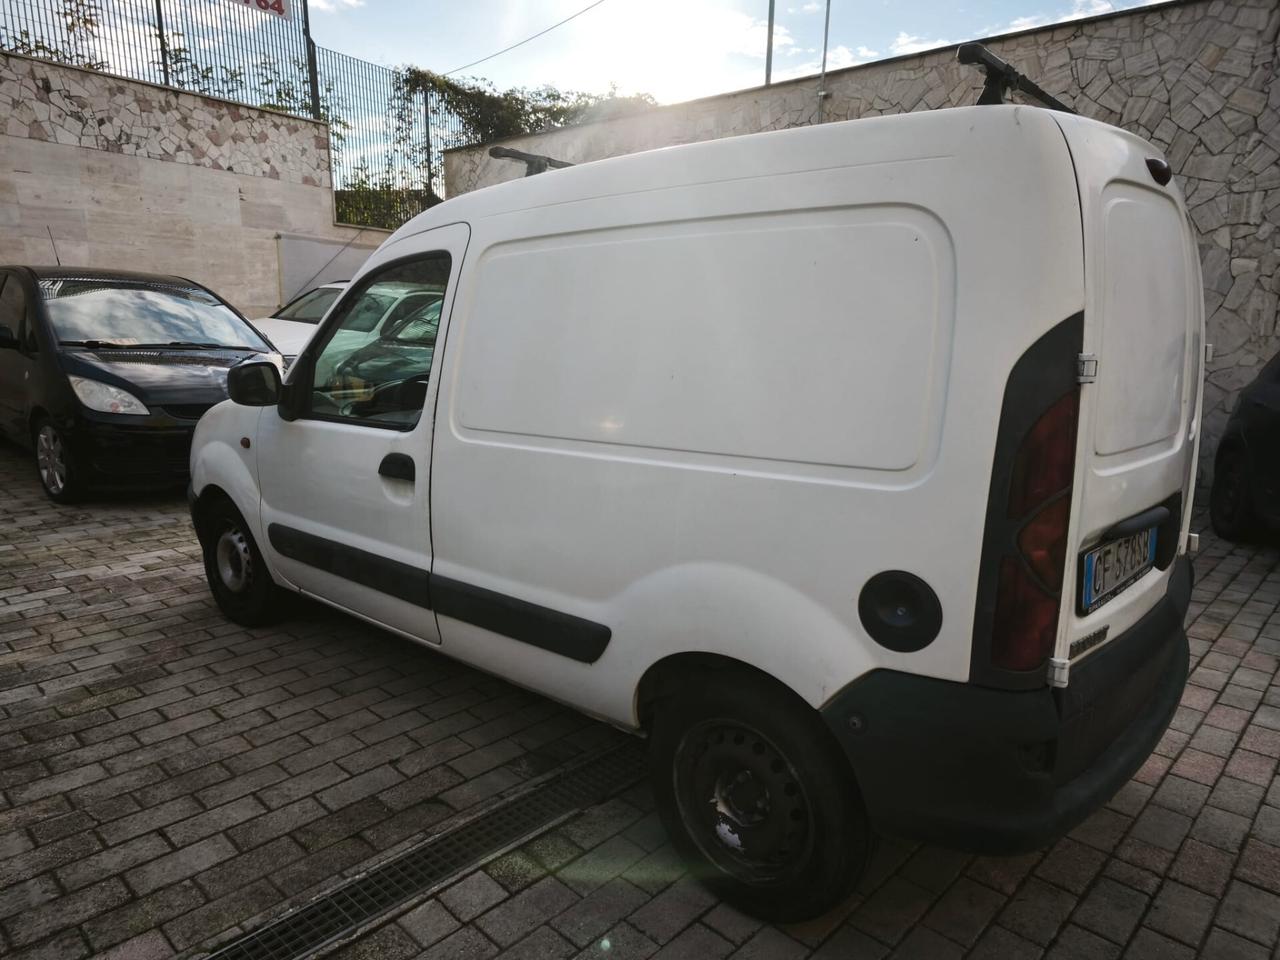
386, 141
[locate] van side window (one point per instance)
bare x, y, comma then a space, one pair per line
374, 365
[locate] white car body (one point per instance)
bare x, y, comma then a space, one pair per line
694, 400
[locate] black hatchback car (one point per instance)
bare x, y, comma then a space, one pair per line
105, 373
1245, 497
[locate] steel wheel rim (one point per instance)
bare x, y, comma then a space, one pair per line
51, 459
234, 560
742, 802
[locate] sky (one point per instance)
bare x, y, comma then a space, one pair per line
672, 49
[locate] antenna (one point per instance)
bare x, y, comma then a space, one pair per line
52, 244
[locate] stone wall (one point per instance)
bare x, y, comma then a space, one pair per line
1196, 78
129, 175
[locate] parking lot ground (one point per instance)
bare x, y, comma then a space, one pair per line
169, 780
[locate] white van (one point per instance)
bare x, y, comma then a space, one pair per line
852, 464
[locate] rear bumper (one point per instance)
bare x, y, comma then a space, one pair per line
996, 771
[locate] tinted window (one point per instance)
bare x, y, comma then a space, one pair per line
13, 305
311, 306
128, 313
375, 363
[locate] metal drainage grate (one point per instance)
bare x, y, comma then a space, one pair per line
365, 897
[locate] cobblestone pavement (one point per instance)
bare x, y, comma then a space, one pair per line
168, 779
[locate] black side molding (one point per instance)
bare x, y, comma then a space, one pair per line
563, 633
400, 580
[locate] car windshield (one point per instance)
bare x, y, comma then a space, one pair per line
420, 327
310, 307
129, 313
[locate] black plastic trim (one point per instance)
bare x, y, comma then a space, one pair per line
1154, 517
900, 611
562, 633
1006, 771
400, 580
1041, 376
398, 466
553, 630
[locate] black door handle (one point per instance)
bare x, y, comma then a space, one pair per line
398, 466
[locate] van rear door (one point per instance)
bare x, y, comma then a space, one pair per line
1140, 397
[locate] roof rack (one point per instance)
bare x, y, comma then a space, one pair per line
1002, 78
534, 162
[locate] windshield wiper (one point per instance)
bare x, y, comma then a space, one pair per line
195, 345
96, 344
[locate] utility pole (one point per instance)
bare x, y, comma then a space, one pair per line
313, 77
768, 52
164, 43
822, 81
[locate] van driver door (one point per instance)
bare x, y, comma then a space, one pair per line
345, 505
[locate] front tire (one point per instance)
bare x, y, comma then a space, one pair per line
238, 577
56, 464
1231, 497
757, 796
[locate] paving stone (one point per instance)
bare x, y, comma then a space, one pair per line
1037, 911
386, 943
1223, 945
472, 896
964, 911
1181, 912
623, 942
512, 919
429, 923
1250, 912
1077, 943
467, 944
695, 943
180, 864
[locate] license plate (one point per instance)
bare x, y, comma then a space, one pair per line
1109, 568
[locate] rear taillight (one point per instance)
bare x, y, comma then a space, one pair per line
1029, 591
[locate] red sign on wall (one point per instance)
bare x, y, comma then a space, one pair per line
279, 8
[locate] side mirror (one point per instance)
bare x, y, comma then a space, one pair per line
294, 394
7, 339
254, 382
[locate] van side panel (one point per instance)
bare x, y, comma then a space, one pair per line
750, 321
702, 396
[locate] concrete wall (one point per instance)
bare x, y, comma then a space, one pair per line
129, 175
1196, 78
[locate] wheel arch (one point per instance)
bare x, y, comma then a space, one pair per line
665, 678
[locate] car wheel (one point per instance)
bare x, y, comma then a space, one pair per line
1231, 497
56, 464
238, 576
757, 796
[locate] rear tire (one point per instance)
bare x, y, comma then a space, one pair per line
56, 464
1231, 497
238, 577
757, 796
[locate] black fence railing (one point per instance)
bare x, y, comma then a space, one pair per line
386, 140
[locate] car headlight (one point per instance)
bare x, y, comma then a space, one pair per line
105, 398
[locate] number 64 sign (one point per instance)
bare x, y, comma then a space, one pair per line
279, 8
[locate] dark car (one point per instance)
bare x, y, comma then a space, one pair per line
1246, 477
105, 373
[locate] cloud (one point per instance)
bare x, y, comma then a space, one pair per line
906, 43
811, 8
838, 58
1087, 8
329, 6
1026, 23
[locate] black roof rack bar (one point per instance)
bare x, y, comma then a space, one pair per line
1003, 78
534, 162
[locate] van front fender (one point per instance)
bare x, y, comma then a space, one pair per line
219, 460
